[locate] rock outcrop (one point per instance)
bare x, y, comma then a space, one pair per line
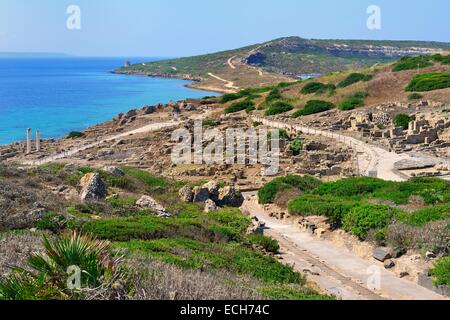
231, 197
186, 194
147, 202
210, 206
93, 187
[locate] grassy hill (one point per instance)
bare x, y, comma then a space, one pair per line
281, 59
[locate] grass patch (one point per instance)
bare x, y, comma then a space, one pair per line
318, 88
422, 217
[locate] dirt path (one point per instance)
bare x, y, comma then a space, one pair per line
230, 62
372, 161
334, 269
228, 84
66, 154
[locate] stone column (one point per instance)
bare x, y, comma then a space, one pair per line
38, 140
28, 141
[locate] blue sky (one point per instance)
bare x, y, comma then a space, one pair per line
188, 27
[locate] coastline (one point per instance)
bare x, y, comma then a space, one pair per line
196, 81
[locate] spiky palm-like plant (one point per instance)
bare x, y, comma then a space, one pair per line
99, 269
92, 256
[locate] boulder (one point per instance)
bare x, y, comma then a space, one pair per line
115, 171
201, 194
430, 255
210, 206
389, 264
186, 194
93, 187
381, 254
147, 202
231, 197
398, 252
213, 190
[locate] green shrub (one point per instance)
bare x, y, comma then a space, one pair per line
415, 96
296, 146
441, 272
409, 63
354, 78
75, 135
314, 87
282, 134
230, 97
269, 191
429, 82
239, 106
354, 101
269, 244
350, 187
314, 106
211, 123
278, 107
422, 217
146, 177
274, 95
362, 219
332, 207
402, 120
51, 221
216, 256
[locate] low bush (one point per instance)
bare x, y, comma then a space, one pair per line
367, 217
269, 191
422, 217
402, 120
75, 135
278, 107
313, 107
296, 146
354, 101
317, 87
269, 244
274, 95
411, 63
429, 82
354, 78
239, 106
332, 207
415, 96
441, 272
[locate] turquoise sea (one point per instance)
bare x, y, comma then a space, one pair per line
59, 95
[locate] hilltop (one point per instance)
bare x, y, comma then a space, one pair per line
280, 60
